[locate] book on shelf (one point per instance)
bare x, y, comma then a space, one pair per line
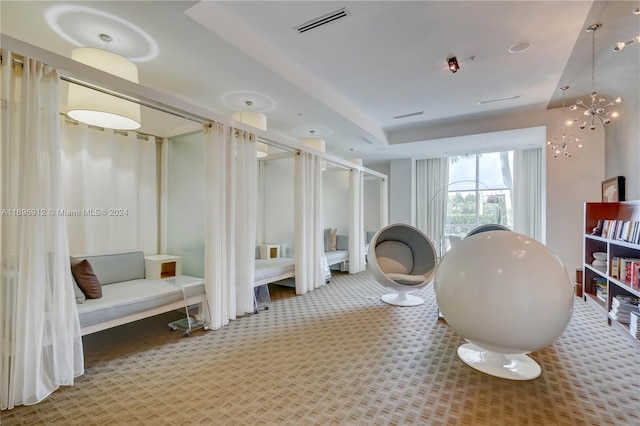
621, 233
621, 307
621, 230
604, 227
614, 266
634, 280
625, 268
634, 323
600, 286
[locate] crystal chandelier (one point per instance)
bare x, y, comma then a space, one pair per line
559, 146
598, 105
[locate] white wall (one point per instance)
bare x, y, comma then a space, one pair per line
185, 201
372, 203
402, 192
278, 201
570, 183
371, 214
622, 146
335, 199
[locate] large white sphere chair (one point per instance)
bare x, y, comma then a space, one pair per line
507, 295
402, 259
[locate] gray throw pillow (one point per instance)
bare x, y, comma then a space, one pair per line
327, 239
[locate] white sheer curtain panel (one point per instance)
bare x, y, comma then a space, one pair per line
246, 217
111, 192
431, 202
231, 189
40, 343
309, 239
356, 222
528, 184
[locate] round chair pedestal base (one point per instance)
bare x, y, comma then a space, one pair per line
512, 367
401, 299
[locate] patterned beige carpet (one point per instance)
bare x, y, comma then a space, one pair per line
338, 356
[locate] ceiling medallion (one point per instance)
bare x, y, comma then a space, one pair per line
64, 18
237, 100
312, 131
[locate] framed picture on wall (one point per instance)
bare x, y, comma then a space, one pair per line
613, 190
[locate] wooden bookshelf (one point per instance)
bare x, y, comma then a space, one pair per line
614, 248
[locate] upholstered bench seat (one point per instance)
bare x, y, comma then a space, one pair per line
127, 298
271, 270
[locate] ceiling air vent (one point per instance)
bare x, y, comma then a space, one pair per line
323, 20
413, 114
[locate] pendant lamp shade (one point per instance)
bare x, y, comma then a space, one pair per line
315, 143
318, 145
101, 109
252, 118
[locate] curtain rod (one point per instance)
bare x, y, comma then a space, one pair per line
161, 108
141, 135
157, 107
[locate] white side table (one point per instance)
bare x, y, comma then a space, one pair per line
269, 251
162, 266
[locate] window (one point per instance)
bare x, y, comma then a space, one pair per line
480, 192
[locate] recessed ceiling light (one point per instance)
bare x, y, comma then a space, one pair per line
519, 47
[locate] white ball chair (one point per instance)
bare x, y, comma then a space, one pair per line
487, 227
402, 259
507, 295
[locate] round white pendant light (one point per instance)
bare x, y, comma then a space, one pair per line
319, 145
315, 143
101, 109
262, 149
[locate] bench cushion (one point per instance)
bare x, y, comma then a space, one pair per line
128, 297
117, 267
269, 268
337, 256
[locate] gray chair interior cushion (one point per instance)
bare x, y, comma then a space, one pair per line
405, 279
394, 257
424, 257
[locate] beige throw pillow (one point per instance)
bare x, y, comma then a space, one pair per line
332, 239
